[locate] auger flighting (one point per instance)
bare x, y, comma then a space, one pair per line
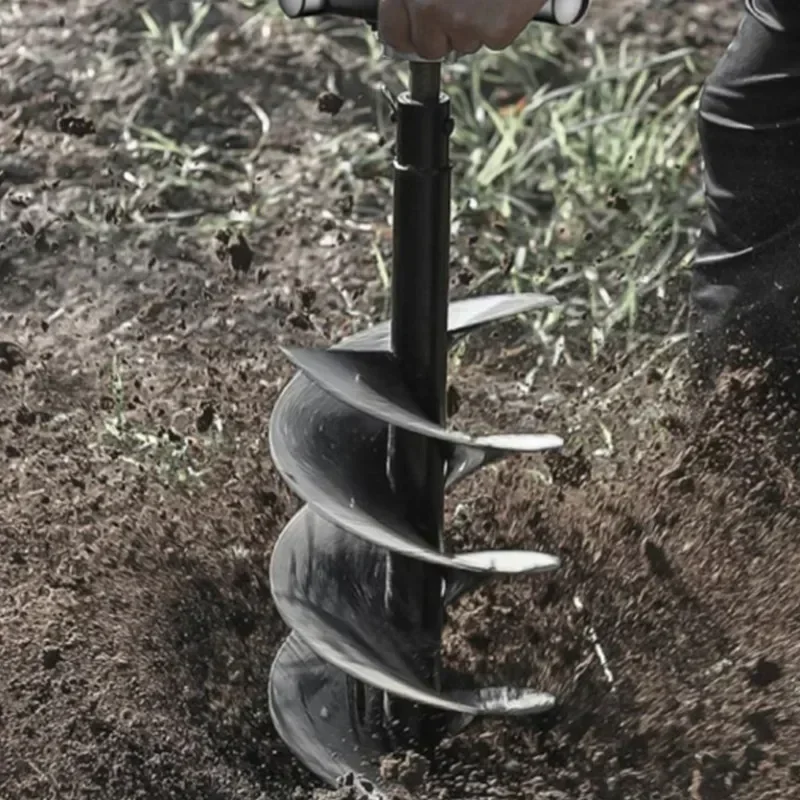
360, 574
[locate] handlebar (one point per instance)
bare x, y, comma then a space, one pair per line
554, 12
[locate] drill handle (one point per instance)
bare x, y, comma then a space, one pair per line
554, 12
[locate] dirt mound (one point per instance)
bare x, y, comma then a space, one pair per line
137, 629
671, 634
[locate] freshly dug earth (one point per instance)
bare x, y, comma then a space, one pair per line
138, 505
685, 572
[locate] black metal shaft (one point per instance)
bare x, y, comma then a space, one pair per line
420, 282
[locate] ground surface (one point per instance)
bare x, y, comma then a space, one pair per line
138, 505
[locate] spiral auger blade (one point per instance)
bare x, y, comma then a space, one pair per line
360, 574
328, 437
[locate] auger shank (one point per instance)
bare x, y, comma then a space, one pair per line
419, 302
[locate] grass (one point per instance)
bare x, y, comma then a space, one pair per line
575, 165
173, 458
176, 179
577, 169
576, 173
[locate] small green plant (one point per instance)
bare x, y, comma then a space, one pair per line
170, 456
176, 44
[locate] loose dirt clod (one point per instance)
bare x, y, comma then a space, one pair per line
409, 769
569, 469
764, 672
453, 401
657, 558
235, 249
11, 356
76, 125
330, 103
51, 657
206, 418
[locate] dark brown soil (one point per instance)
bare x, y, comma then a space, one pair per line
138, 504
684, 572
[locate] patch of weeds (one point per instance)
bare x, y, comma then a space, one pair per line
182, 149
575, 173
585, 191
175, 45
171, 457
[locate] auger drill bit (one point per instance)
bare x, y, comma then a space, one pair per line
360, 574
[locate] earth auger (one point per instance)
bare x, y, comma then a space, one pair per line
360, 574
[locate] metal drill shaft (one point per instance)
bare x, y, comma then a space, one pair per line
421, 240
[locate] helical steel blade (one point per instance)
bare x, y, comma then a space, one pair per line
328, 437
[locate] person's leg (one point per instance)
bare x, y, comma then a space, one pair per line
746, 280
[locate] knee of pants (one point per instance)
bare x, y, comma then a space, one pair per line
755, 85
779, 15
749, 128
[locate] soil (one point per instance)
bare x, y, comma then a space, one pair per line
139, 362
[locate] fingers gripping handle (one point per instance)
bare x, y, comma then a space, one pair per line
555, 12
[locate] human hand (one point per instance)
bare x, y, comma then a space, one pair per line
434, 28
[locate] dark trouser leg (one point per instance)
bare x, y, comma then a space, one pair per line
746, 280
